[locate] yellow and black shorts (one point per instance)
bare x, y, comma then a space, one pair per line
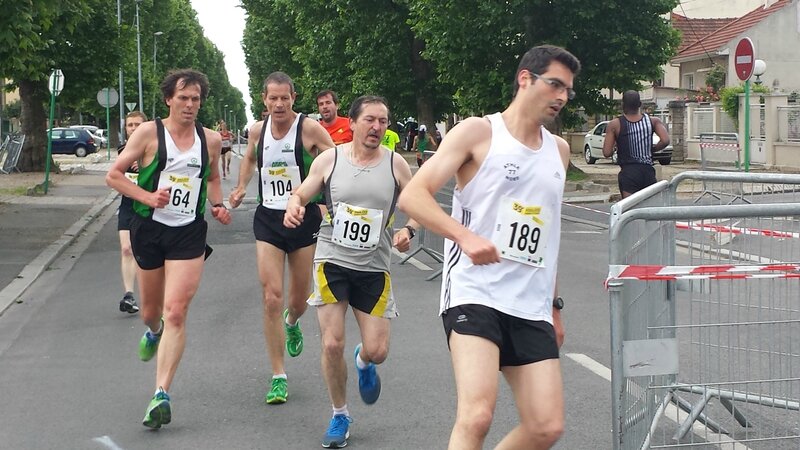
370, 292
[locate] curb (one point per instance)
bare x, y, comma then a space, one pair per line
31, 272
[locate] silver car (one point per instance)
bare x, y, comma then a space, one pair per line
593, 146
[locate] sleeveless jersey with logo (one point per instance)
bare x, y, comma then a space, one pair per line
635, 141
361, 203
514, 199
185, 172
282, 164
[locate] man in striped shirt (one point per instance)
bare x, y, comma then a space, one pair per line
632, 134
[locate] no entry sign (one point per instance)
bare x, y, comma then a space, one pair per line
745, 58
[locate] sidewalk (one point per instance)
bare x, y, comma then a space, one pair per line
35, 230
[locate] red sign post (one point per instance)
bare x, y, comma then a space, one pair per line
745, 59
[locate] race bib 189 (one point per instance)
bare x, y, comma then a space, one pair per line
520, 232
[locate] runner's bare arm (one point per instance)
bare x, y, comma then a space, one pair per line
246, 166
315, 139
402, 173
218, 210
611, 138
417, 200
311, 186
663, 135
141, 146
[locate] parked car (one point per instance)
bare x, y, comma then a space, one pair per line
593, 146
77, 141
90, 128
101, 138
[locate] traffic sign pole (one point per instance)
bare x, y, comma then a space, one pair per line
747, 126
108, 124
107, 97
744, 63
56, 84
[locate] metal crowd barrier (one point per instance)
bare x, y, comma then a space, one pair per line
705, 315
430, 243
719, 148
12, 147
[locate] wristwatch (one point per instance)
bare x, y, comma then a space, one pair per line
411, 231
558, 303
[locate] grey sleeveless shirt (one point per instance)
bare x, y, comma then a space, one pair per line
374, 188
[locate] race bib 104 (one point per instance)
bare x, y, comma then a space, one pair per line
277, 184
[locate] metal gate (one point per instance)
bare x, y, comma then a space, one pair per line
705, 314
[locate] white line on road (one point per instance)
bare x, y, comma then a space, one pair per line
671, 412
414, 261
108, 442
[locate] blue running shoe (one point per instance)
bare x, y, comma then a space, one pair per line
369, 382
158, 411
338, 432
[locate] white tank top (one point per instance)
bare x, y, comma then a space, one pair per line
182, 173
280, 172
514, 199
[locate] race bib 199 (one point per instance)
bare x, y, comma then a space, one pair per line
520, 232
356, 227
184, 192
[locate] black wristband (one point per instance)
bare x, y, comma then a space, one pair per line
411, 231
219, 205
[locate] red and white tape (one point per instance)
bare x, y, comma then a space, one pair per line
703, 272
736, 230
719, 145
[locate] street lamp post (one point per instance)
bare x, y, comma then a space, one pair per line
155, 71
139, 54
226, 115
122, 136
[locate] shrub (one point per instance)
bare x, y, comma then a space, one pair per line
729, 96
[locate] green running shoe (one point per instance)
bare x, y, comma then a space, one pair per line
148, 344
158, 411
278, 393
294, 336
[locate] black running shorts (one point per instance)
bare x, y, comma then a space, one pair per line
125, 214
370, 292
635, 177
520, 341
268, 227
153, 242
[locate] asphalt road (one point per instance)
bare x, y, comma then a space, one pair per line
71, 377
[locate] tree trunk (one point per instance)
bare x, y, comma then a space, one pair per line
33, 98
574, 169
422, 79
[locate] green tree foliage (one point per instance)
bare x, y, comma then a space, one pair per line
340, 45
52, 35
81, 37
268, 44
476, 44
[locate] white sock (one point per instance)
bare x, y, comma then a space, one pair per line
280, 375
342, 410
290, 324
160, 329
360, 363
